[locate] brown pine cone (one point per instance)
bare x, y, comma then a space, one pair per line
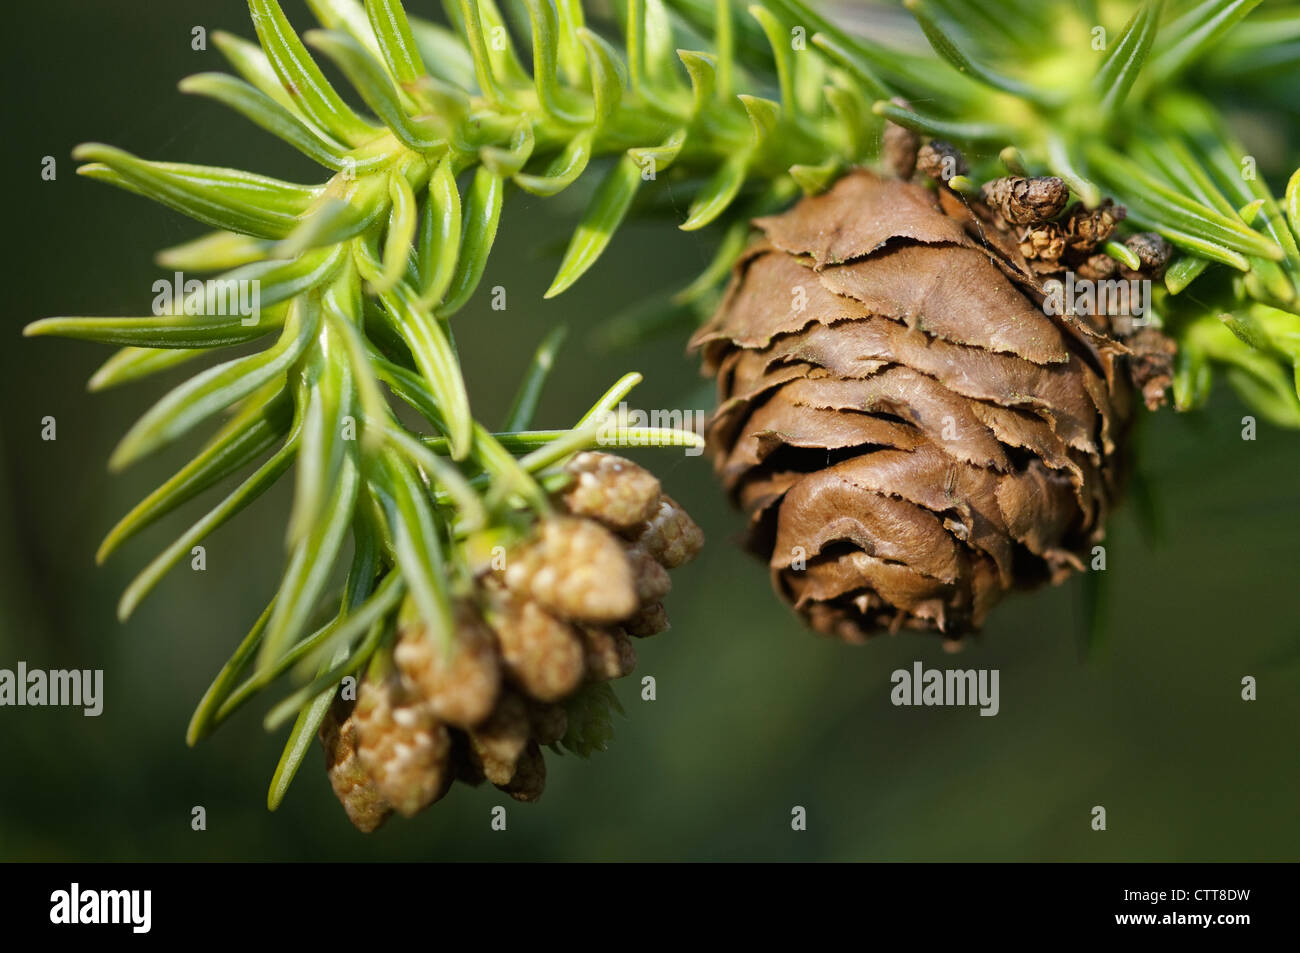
910, 433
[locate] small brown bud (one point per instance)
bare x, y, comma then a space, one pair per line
671, 536
649, 621
1151, 366
1024, 201
576, 569
1085, 228
899, 146
608, 488
353, 786
529, 780
548, 722
497, 743
460, 685
652, 582
941, 161
401, 745
610, 653
465, 765
1154, 253
543, 655
1099, 267
1045, 242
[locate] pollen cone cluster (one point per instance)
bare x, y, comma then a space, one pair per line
530, 653
911, 428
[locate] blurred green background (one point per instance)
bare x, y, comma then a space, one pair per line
754, 714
